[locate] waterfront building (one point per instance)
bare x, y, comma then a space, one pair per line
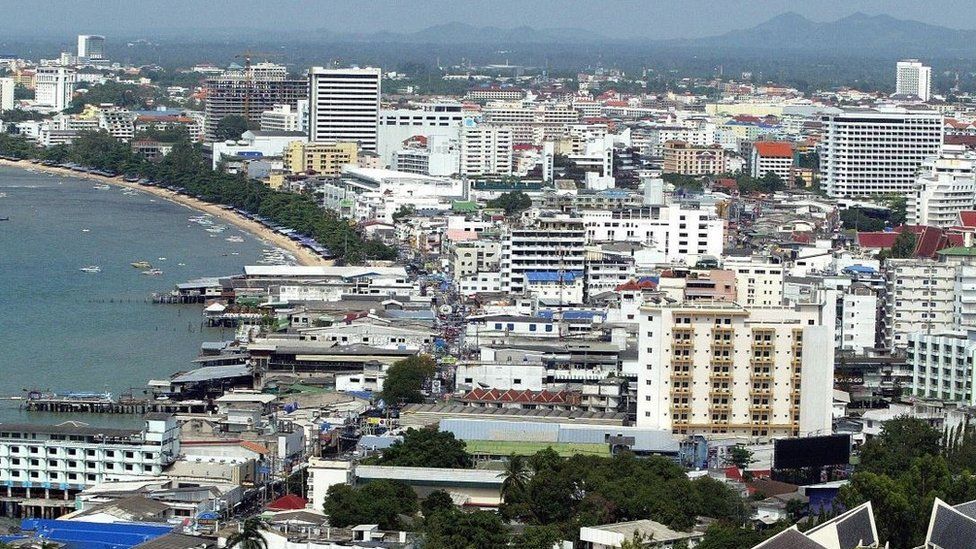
711, 368
254, 145
344, 105
877, 151
55, 87
913, 78
249, 93
325, 159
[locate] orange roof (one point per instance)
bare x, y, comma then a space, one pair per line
255, 447
779, 149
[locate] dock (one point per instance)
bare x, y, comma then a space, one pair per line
100, 405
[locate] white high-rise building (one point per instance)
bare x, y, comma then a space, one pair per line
55, 86
91, 46
344, 105
919, 297
443, 118
946, 185
552, 244
877, 151
859, 318
486, 150
721, 369
913, 78
7, 86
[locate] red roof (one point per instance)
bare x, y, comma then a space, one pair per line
928, 240
774, 149
636, 285
288, 502
967, 218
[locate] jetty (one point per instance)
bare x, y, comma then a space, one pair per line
105, 404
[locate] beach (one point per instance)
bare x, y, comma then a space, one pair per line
303, 256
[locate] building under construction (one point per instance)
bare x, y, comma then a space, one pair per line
249, 92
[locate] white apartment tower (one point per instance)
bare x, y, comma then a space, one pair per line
7, 94
913, 78
720, 369
344, 105
877, 151
919, 297
946, 185
552, 244
55, 87
486, 150
91, 46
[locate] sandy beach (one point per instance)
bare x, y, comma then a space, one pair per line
302, 255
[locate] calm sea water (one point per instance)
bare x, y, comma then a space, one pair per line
65, 330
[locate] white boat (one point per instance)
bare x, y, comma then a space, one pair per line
102, 187
91, 269
86, 230
152, 272
234, 238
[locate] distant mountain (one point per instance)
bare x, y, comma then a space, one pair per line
462, 33
857, 34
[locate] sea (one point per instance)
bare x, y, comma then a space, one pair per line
65, 330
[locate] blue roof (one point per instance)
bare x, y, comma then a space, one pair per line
859, 269
572, 314
95, 535
552, 276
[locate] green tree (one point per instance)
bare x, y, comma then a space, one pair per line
231, 127
457, 530
512, 202
435, 502
904, 245
717, 500
405, 380
740, 457
724, 536
516, 475
538, 537
249, 535
405, 210
427, 448
901, 441
892, 511
378, 502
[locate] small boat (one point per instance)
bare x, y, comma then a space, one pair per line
5, 218
91, 269
141, 264
86, 230
161, 258
152, 272
102, 187
234, 238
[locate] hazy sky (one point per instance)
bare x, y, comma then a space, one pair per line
615, 18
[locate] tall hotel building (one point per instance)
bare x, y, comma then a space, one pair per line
877, 151
913, 78
249, 93
344, 105
723, 369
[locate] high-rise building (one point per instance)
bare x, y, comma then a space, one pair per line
773, 157
946, 185
551, 244
249, 93
321, 158
721, 369
441, 119
7, 86
55, 87
877, 151
486, 150
91, 47
913, 78
919, 297
344, 105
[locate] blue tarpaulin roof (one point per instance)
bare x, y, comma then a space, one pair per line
552, 276
859, 269
78, 534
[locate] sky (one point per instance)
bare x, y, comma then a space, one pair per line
654, 19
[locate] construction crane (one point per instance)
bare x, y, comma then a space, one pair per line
247, 55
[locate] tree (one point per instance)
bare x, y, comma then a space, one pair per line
513, 202
901, 441
516, 475
740, 457
426, 448
405, 380
457, 530
538, 537
904, 245
715, 499
379, 502
405, 210
723, 536
231, 127
435, 502
249, 536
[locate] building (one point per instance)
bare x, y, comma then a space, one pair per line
429, 120
859, 319
344, 105
320, 158
684, 158
250, 93
437, 155
654, 535
55, 87
946, 185
919, 297
942, 365
44, 466
876, 151
91, 47
554, 243
285, 118
486, 151
773, 157
7, 86
913, 78
757, 283
724, 369
254, 145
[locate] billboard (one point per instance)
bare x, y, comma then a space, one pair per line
795, 453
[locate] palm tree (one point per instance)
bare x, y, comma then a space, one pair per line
249, 536
516, 475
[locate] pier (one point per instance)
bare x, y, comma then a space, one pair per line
99, 405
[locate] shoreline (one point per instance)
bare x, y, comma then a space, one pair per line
302, 255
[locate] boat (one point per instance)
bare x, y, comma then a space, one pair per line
102, 187
234, 238
152, 272
141, 264
86, 230
5, 218
91, 269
